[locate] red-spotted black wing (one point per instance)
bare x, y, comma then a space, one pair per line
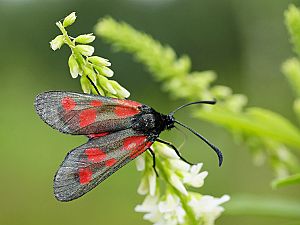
85, 114
91, 163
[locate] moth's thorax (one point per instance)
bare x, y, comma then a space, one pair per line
151, 122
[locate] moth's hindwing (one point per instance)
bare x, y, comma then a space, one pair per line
85, 114
91, 163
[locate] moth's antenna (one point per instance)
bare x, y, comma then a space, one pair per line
219, 153
93, 84
193, 103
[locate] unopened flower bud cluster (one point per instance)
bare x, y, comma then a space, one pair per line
82, 62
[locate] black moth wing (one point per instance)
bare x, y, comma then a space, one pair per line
85, 114
89, 164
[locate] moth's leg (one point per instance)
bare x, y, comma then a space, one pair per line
93, 84
154, 163
175, 149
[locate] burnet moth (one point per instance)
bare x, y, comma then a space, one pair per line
118, 130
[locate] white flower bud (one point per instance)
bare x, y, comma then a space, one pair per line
180, 165
144, 186
140, 163
74, 67
166, 151
122, 92
175, 181
104, 82
85, 38
85, 85
85, 50
69, 20
105, 71
57, 42
152, 182
99, 61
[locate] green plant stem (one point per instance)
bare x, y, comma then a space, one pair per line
183, 199
71, 45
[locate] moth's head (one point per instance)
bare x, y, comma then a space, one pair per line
170, 120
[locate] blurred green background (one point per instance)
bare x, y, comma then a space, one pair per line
245, 42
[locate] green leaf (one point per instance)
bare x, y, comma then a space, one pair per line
251, 205
257, 122
293, 179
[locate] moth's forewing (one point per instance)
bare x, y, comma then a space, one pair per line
85, 114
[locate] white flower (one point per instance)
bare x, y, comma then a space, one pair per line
150, 207
172, 210
193, 177
207, 207
168, 208
187, 174
57, 42
168, 212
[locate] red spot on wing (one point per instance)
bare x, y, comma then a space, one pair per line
68, 103
98, 135
148, 145
96, 103
95, 154
139, 151
87, 117
133, 142
129, 103
110, 162
85, 175
122, 111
